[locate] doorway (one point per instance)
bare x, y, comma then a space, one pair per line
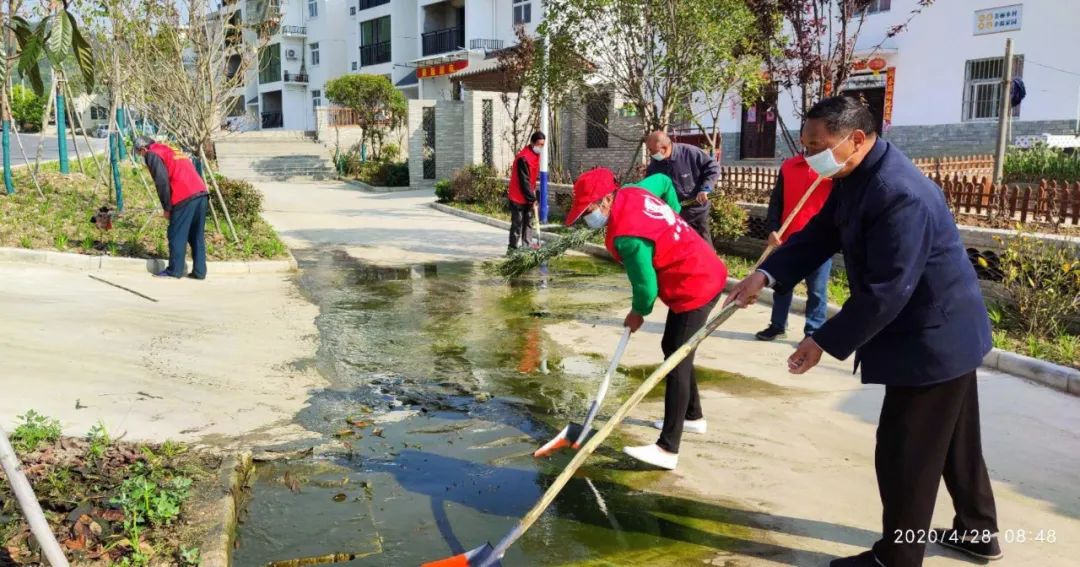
874, 99
758, 134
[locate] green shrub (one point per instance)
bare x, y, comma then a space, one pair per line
1043, 279
244, 201
27, 109
1041, 162
477, 184
729, 220
443, 192
382, 173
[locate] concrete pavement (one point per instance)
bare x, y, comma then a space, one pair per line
221, 360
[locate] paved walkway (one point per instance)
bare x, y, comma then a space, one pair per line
791, 454
213, 360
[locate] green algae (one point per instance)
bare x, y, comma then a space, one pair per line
712, 379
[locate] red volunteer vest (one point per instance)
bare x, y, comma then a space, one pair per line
797, 179
515, 192
689, 272
183, 179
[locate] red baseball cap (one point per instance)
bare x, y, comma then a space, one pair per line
589, 188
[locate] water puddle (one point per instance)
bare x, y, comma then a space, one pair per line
443, 383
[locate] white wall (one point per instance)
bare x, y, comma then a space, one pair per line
331, 30
930, 58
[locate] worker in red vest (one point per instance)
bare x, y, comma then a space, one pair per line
522, 191
794, 180
184, 198
666, 258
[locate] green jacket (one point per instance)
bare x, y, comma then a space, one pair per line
637, 253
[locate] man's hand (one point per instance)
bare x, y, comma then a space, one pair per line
806, 356
746, 292
168, 214
633, 321
774, 239
702, 198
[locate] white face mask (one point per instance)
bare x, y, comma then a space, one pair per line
596, 219
658, 156
824, 162
538, 149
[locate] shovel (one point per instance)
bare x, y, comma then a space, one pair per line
573, 435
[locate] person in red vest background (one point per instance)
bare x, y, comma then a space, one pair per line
184, 198
665, 258
522, 191
794, 180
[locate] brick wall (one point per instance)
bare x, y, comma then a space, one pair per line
624, 142
450, 135
415, 132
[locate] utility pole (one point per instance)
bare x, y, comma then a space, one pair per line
1005, 114
545, 152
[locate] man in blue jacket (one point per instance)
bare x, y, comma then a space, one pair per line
694, 174
915, 321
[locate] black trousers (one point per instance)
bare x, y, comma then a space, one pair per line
681, 399
697, 216
925, 433
521, 229
187, 223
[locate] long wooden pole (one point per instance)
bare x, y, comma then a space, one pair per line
1005, 113
787, 222
221, 198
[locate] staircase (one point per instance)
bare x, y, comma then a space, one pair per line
275, 156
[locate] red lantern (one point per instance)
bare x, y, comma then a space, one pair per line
876, 64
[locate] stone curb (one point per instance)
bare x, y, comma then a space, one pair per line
234, 477
373, 189
153, 265
1061, 378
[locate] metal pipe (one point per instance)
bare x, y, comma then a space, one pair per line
31, 509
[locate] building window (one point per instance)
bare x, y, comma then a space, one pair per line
354, 65
876, 6
314, 49
596, 121
982, 87
352, 10
375, 41
316, 99
98, 113
313, 8
523, 12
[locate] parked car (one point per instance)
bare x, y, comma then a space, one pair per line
101, 131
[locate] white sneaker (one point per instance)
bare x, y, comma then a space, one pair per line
695, 426
654, 455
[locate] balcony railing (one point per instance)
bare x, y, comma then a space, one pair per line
441, 41
365, 4
486, 44
301, 78
375, 53
294, 30
272, 120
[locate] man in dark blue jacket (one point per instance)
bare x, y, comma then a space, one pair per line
915, 321
694, 174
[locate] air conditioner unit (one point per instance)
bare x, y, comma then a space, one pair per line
290, 54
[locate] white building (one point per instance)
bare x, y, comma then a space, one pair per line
416, 44
934, 88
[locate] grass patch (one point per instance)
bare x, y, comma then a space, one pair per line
61, 221
108, 502
739, 267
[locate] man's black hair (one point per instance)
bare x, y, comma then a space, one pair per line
536, 137
843, 114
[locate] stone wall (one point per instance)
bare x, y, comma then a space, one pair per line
966, 138
937, 140
449, 137
415, 131
345, 137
